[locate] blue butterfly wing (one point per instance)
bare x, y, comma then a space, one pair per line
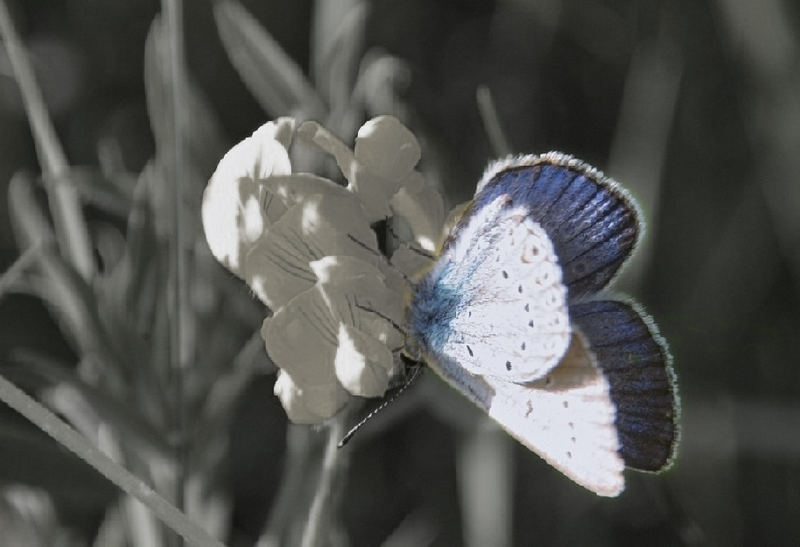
637, 365
593, 224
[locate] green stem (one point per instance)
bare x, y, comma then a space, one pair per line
65, 205
121, 477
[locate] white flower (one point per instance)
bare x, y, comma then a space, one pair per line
305, 245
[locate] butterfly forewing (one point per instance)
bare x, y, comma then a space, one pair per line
593, 223
506, 311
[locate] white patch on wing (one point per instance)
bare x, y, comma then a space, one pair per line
513, 323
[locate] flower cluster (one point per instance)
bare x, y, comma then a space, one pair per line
306, 247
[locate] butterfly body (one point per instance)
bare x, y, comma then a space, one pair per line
511, 317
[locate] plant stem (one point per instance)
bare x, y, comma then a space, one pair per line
121, 477
320, 513
65, 205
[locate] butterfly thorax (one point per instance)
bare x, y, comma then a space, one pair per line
432, 307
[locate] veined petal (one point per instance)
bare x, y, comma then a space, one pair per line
357, 293
308, 405
277, 267
301, 338
363, 364
234, 210
295, 188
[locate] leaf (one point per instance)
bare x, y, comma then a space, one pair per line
273, 78
110, 196
66, 293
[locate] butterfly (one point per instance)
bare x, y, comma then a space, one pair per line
513, 315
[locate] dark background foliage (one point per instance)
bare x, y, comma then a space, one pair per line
694, 105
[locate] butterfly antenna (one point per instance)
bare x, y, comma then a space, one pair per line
415, 371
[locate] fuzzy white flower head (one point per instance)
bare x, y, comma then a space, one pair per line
305, 245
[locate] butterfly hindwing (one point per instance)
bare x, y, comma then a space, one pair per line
636, 362
567, 417
593, 224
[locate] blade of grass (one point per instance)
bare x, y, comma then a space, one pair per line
491, 122
173, 19
639, 148
337, 43
17, 269
71, 231
121, 477
274, 79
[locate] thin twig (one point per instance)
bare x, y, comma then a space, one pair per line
121, 477
65, 205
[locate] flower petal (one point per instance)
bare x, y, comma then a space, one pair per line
308, 405
387, 147
232, 212
358, 294
411, 262
363, 364
424, 213
293, 189
385, 155
301, 339
277, 267
328, 142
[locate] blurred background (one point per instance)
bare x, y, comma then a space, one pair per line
693, 106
